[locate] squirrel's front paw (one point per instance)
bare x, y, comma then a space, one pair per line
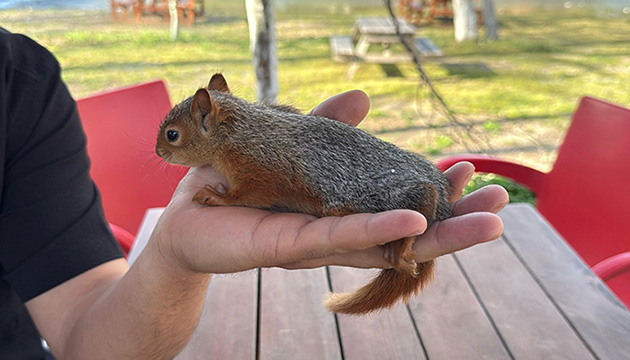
211, 195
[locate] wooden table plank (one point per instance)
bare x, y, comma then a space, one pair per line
595, 313
227, 329
382, 25
527, 320
527, 296
388, 334
293, 321
450, 320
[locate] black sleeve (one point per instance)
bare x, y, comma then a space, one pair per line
52, 226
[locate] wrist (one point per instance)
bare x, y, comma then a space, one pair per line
159, 298
169, 261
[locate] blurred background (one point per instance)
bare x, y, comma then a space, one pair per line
515, 94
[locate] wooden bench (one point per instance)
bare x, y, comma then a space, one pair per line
342, 48
427, 48
186, 10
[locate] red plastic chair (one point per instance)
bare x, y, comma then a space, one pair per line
124, 237
121, 126
585, 195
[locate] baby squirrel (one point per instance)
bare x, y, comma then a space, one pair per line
278, 159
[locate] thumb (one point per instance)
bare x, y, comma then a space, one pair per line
350, 107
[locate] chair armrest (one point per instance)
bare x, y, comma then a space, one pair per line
531, 178
124, 237
613, 266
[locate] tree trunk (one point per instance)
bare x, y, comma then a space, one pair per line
174, 19
489, 20
262, 39
464, 20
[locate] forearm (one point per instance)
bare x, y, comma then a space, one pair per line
149, 312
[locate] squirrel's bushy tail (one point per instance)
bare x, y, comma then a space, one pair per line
387, 288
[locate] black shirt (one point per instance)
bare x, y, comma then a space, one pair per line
52, 226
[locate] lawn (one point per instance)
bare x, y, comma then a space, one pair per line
517, 92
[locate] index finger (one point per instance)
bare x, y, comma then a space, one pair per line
459, 175
332, 235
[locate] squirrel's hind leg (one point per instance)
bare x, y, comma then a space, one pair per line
401, 255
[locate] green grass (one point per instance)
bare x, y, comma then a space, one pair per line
516, 192
542, 63
518, 92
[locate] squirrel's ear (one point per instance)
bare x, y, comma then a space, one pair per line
218, 83
202, 105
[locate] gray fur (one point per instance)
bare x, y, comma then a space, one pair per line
346, 166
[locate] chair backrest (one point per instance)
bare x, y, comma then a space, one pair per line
121, 126
585, 195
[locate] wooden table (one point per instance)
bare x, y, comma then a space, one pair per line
379, 31
524, 296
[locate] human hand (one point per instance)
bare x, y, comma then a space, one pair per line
230, 239
474, 221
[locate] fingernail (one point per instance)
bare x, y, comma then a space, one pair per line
417, 232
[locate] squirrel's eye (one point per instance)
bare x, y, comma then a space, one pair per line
172, 135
